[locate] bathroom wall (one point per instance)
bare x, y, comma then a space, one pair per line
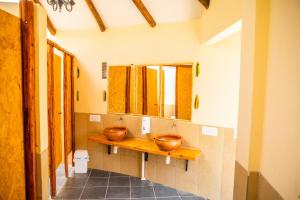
12, 176
268, 142
217, 86
40, 28
217, 18
211, 175
280, 147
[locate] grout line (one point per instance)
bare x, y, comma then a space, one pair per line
107, 185
85, 184
129, 187
178, 194
153, 191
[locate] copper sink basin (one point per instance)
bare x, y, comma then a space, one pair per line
168, 142
116, 133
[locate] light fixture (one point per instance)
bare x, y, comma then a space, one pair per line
60, 3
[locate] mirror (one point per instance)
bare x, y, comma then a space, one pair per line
154, 90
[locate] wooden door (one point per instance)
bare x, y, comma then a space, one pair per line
67, 109
57, 110
60, 126
12, 161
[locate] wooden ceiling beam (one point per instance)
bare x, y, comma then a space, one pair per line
96, 15
144, 11
205, 3
50, 25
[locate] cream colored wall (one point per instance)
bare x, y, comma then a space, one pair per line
40, 32
280, 161
143, 45
220, 15
246, 82
12, 8
40, 17
124, 46
269, 94
218, 83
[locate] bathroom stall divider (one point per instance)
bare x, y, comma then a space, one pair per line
29, 112
68, 112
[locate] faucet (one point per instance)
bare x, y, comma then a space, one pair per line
174, 124
121, 119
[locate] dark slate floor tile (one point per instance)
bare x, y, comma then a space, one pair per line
119, 199
137, 182
118, 192
113, 174
94, 193
119, 181
150, 198
185, 194
69, 193
168, 198
162, 191
81, 175
75, 182
92, 182
140, 192
193, 198
157, 184
99, 173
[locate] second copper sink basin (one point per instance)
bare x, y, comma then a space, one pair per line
168, 142
116, 133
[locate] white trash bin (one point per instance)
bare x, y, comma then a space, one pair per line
81, 157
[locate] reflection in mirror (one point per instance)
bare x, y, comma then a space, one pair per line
168, 93
184, 81
118, 89
158, 90
151, 100
140, 90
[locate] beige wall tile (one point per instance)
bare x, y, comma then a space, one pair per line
96, 160
94, 146
190, 133
130, 165
166, 174
150, 168
81, 121
42, 175
228, 165
187, 180
111, 162
211, 175
240, 182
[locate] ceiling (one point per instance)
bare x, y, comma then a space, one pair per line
117, 13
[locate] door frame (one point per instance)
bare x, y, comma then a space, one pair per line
53, 45
29, 115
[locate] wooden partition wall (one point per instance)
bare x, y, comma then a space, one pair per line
12, 162
54, 112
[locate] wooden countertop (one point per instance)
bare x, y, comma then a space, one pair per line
141, 145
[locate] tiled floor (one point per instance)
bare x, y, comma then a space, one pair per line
98, 184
